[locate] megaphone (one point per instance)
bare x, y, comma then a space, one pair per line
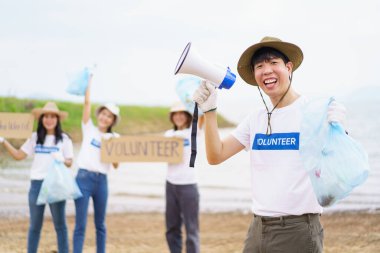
192, 63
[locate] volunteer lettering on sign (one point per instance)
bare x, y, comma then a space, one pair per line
142, 149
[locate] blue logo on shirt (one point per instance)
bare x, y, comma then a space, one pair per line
95, 143
186, 142
40, 149
278, 141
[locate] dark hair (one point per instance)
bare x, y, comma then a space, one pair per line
188, 122
266, 54
42, 132
109, 129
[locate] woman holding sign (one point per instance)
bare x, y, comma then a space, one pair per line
182, 197
46, 144
92, 174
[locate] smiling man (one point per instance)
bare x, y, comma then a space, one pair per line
285, 209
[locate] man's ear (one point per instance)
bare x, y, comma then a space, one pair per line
289, 66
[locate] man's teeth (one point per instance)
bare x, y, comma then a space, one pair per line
270, 81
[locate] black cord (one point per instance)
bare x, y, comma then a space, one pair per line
194, 128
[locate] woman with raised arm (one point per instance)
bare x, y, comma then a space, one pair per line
92, 173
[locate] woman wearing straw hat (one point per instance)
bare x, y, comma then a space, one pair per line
46, 144
92, 173
182, 196
284, 205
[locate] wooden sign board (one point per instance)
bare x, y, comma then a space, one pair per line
142, 149
16, 125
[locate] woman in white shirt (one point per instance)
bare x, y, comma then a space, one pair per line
92, 173
46, 144
182, 196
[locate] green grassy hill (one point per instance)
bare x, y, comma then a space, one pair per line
134, 119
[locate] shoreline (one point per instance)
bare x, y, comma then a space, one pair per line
346, 232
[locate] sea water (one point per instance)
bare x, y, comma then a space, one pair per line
140, 187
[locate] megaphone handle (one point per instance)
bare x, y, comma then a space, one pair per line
194, 128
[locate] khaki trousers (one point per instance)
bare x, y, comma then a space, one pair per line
286, 234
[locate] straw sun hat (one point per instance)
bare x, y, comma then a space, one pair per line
293, 52
178, 107
49, 107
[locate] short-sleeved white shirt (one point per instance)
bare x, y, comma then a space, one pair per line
280, 184
42, 157
89, 154
181, 173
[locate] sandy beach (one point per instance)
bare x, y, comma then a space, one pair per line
220, 233
352, 225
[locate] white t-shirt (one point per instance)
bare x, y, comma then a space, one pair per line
89, 154
42, 157
181, 173
280, 184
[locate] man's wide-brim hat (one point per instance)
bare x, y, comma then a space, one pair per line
245, 69
49, 107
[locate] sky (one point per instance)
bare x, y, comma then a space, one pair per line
136, 44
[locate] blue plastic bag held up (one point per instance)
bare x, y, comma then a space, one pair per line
185, 89
78, 82
58, 185
335, 162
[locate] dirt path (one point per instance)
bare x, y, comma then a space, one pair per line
220, 233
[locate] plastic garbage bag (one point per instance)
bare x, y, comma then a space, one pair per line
335, 162
185, 89
78, 82
58, 185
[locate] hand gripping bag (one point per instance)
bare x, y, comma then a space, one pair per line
335, 162
58, 185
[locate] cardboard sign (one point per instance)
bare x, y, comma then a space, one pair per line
16, 125
142, 149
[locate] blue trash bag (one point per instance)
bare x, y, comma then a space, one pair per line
185, 89
335, 162
78, 82
58, 185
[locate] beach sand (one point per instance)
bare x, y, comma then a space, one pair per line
220, 233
